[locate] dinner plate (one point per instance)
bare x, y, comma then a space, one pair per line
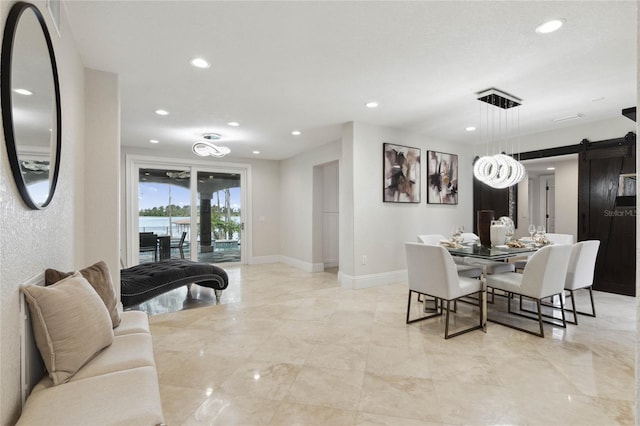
526, 239
503, 246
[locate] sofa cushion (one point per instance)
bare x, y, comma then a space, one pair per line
126, 352
99, 277
70, 324
129, 397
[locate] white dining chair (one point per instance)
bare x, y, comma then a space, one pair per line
582, 264
464, 270
432, 273
554, 239
543, 276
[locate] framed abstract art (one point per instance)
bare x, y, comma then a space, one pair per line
442, 172
401, 174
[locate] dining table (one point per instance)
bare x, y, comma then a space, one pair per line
494, 253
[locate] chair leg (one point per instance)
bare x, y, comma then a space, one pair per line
446, 321
408, 321
573, 308
540, 317
593, 306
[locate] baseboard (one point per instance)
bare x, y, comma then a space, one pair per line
258, 260
301, 264
372, 280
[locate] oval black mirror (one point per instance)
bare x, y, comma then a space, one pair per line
31, 104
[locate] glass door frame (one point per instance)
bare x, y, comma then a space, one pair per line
133, 165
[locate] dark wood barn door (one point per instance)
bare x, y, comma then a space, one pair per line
606, 216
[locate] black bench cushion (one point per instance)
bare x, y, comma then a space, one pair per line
145, 281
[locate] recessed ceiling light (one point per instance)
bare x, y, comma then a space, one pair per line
470, 129
551, 168
200, 63
233, 124
154, 140
296, 133
371, 104
550, 26
162, 112
256, 152
24, 92
599, 98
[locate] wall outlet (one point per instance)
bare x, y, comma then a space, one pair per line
364, 259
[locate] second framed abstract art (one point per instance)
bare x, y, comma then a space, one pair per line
442, 172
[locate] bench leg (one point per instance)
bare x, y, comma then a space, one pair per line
218, 295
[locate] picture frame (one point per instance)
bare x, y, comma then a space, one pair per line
442, 178
401, 174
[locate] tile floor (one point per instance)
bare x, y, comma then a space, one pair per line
286, 347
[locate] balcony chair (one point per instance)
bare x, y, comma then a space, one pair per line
180, 244
149, 243
544, 276
432, 272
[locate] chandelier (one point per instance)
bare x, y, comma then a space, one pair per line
499, 170
207, 148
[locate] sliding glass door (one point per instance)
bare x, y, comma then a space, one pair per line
219, 207
186, 212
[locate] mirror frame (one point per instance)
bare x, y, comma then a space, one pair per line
13, 19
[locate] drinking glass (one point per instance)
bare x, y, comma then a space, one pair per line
541, 230
532, 230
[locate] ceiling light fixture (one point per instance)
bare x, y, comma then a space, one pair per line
551, 168
24, 92
550, 26
154, 141
499, 170
200, 63
296, 133
162, 112
207, 148
233, 124
256, 152
372, 104
471, 129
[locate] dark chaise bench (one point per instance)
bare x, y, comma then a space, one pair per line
145, 281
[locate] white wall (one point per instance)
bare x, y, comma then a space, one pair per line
102, 166
297, 202
572, 135
31, 241
567, 198
380, 229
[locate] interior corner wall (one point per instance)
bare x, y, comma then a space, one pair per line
296, 204
380, 229
33, 240
102, 172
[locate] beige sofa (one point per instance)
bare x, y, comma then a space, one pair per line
117, 387
99, 362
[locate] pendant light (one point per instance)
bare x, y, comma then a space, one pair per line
502, 124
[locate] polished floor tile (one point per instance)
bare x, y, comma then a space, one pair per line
286, 347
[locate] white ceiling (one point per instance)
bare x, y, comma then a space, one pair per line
311, 66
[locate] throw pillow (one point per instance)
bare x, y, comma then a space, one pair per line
100, 279
70, 325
